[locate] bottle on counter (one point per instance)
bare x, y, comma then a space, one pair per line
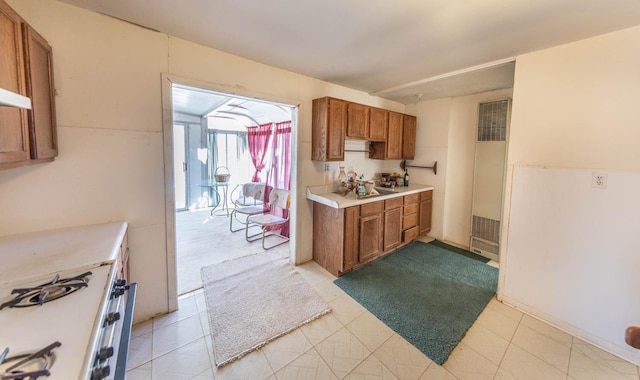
342, 177
406, 177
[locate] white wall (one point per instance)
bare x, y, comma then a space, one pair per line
572, 254
109, 113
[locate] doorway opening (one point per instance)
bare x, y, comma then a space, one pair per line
220, 142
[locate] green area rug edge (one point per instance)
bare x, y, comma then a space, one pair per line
391, 293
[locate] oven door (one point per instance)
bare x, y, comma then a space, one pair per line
110, 360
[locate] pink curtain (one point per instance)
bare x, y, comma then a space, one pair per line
279, 176
258, 139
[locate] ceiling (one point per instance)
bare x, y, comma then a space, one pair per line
393, 49
247, 112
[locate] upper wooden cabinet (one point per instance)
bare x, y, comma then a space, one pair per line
357, 121
394, 136
334, 120
26, 136
14, 134
328, 129
42, 117
378, 121
408, 137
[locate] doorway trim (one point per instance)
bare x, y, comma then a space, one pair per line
167, 82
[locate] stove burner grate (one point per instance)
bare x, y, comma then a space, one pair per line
47, 292
28, 366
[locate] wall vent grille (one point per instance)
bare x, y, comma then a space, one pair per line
486, 229
492, 121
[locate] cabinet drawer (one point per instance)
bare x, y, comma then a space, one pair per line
393, 203
411, 199
409, 221
411, 209
426, 195
410, 234
371, 208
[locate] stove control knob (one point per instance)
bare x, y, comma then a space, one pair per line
117, 292
111, 318
100, 373
105, 353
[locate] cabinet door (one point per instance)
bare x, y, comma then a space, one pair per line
42, 117
357, 121
392, 228
408, 137
378, 120
370, 237
14, 136
426, 206
329, 120
394, 136
351, 226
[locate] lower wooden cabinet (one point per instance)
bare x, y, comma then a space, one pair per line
346, 238
392, 236
426, 206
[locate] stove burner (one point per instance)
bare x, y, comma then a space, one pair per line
28, 366
47, 292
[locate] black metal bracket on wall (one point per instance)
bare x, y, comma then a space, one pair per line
404, 165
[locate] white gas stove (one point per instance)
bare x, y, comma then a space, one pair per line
65, 320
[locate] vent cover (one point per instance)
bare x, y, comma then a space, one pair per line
479, 246
492, 121
486, 229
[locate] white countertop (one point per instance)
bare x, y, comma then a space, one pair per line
34, 254
324, 194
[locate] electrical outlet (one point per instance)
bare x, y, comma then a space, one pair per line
327, 167
599, 180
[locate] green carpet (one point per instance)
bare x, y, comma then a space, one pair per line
426, 293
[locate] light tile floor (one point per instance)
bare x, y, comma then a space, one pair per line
350, 343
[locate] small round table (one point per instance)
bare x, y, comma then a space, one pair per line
222, 198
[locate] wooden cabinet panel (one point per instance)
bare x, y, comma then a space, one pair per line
42, 117
351, 237
408, 137
329, 118
328, 235
426, 195
14, 134
409, 220
411, 208
394, 136
393, 203
357, 121
378, 120
426, 207
370, 237
409, 234
412, 199
371, 208
392, 228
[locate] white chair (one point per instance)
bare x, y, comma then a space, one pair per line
246, 196
242, 214
279, 198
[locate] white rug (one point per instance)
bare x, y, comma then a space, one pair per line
253, 300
